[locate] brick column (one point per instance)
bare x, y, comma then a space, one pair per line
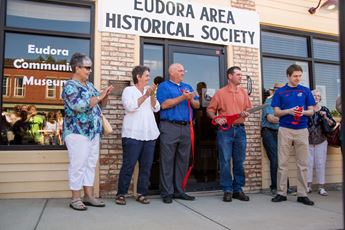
248, 60
117, 61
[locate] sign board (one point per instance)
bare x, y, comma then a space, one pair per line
181, 19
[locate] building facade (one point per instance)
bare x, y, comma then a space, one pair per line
262, 37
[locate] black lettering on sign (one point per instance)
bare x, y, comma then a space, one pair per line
214, 15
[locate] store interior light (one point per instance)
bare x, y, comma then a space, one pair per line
329, 5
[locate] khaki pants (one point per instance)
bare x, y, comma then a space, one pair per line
289, 141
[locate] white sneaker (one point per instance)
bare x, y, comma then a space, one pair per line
323, 192
309, 190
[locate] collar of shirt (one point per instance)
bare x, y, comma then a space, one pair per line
178, 84
232, 88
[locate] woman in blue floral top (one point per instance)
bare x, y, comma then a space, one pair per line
82, 128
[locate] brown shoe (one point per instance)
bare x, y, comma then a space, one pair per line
120, 200
240, 196
227, 197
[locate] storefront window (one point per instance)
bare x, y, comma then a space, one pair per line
35, 68
284, 44
46, 16
326, 50
321, 60
327, 80
38, 66
274, 70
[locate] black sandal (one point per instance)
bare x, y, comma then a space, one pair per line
142, 199
120, 200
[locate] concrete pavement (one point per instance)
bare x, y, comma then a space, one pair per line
206, 212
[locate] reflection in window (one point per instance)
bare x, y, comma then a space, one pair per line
327, 79
51, 90
199, 69
37, 66
153, 58
48, 16
19, 89
5, 86
274, 70
326, 50
284, 44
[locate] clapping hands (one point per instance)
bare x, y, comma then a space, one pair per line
188, 95
151, 90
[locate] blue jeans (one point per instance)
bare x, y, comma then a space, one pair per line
133, 151
270, 141
232, 145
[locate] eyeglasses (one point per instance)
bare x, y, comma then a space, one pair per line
87, 67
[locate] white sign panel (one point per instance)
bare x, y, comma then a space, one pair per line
180, 19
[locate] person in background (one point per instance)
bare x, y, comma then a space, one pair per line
269, 134
318, 144
21, 129
51, 129
139, 134
293, 103
232, 143
175, 139
36, 124
82, 128
59, 119
338, 107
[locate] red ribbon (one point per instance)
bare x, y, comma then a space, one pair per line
229, 120
185, 179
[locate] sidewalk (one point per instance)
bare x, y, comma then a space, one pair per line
206, 212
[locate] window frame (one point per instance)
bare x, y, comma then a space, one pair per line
17, 88
4, 29
8, 85
310, 59
54, 89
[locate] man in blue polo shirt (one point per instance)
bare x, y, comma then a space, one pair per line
292, 103
175, 140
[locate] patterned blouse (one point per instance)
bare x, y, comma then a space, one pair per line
79, 117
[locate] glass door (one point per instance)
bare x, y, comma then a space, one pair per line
205, 72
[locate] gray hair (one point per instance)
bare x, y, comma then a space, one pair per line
80, 60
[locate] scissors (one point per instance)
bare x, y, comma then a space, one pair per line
231, 118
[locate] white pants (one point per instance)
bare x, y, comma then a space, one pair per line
83, 154
317, 157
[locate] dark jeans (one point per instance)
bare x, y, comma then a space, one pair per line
232, 145
270, 141
133, 151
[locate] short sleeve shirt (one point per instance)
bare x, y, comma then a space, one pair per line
288, 97
80, 118
229, 101
168, 90
268, 111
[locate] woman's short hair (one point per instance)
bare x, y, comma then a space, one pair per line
79, 59
139, 70
316, 91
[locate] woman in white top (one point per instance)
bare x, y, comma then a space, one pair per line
51, 129
139, 134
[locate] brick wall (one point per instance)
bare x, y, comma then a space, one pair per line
247, 59
117, 61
